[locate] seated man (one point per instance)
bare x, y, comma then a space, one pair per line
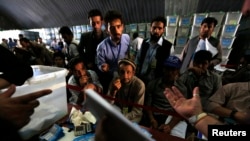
199, 76
129, 88
154, 95
231, 102
81, 79
59, 60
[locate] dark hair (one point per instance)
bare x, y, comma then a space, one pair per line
95, 12
58, 54
74, 61
20, 35
65, 30
159, 19
201, 56
209, 20
135, 35
112, 15
24, 40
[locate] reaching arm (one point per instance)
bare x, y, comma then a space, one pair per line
189, 108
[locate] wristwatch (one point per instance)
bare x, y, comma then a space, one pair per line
194, 119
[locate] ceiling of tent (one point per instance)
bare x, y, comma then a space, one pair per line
30, 14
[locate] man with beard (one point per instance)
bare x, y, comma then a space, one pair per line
112, 48
90, 40
127, 87
199, 43
153, 52
82, 78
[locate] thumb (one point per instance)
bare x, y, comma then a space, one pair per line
9, 92
196, 92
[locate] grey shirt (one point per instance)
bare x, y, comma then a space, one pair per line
132, 92
208, 84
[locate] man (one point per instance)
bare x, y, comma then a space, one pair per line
199, 76
127, 87
136, 44
83, 79
40, 42
5, 43
154, 95
153, 51
200, 43
59, 60
112, 48
90, 40
231, 103
33, 53
71, 48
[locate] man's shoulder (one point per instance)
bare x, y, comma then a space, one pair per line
104, 42
196, 38
137, 81
74, 43
213, 40
125, 37
72, 81
87, 34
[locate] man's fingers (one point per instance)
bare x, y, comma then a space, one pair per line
34, 103
170, 96
34, 95
196, 92
177, 92
9, 92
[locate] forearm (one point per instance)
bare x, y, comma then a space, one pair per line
202, 124
112, 93
222, 112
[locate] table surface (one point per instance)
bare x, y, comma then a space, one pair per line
157, 135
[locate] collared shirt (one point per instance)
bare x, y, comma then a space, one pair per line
234, 96
208, 84
88, 45
150, 60
108, 52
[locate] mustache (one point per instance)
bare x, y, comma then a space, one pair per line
118, 35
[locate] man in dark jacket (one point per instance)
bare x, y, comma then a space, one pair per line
153, 51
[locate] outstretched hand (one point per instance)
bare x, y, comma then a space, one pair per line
18, 109
185, 107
